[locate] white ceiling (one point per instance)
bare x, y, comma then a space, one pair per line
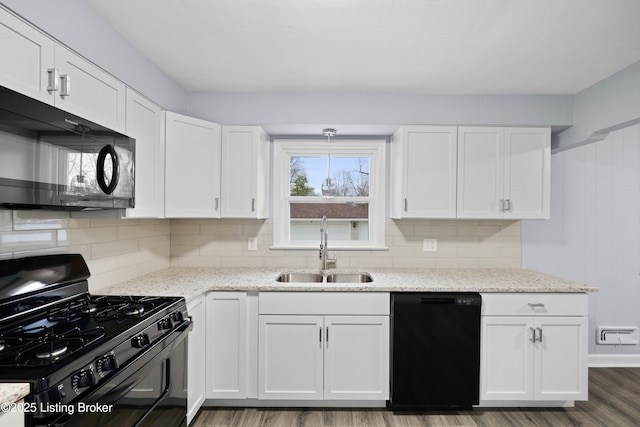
402, 46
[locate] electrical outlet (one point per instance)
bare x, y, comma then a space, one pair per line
252, 244
430, 245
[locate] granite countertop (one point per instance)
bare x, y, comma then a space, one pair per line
191, 282
12, 392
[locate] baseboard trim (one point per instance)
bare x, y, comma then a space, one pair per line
614, 360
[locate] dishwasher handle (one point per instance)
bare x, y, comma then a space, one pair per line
406, 299
437, 300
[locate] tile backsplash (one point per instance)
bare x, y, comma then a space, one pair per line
461, 243
121, 249
115, 249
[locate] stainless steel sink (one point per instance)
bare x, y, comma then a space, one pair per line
349, 278
300, 278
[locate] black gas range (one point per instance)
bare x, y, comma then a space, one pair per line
90, 359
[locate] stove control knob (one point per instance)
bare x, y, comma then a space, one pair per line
177, 316
165, 324
140, 341
82, 379
106, 363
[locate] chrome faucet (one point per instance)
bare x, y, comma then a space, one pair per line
326, 261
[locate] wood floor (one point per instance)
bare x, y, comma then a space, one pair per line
614, 401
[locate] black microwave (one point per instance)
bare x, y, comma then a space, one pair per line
51, 159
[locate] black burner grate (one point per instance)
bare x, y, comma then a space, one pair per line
42, 345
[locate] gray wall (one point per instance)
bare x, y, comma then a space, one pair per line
366, 113
593, 235
76, 25
613, 103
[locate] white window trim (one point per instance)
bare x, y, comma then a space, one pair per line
284, 149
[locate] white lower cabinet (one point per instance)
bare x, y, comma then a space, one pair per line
356, 357
331, 356
196, 360
231, 353
534, 348
291, 357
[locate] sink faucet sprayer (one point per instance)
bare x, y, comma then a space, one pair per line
326, 262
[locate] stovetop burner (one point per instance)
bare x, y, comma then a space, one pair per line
55, 352
105, 307
121, 308
43, 345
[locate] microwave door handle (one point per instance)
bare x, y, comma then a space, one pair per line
108, 150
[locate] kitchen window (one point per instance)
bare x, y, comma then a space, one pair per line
342, 180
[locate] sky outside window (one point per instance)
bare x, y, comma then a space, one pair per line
350, 174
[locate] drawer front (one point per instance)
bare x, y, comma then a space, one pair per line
535, 304
340, 303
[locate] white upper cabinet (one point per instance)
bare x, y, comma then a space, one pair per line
245, 172
88, 91
527, 185
424, 172
503, 173
144, 123
192, 180
27, 54
35, 65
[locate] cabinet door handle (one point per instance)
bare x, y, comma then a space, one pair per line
52, 84
320, 336
327, 337
536, 305
501, 205
508, 208
217, 203
533, 334
65, 85
406, 206
539, 334
253, 205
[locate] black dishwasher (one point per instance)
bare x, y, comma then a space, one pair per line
435, 360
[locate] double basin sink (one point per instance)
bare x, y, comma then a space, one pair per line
329, 278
